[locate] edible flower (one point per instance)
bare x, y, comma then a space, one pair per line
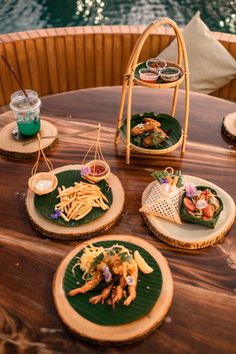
56, 214
140, 125
201, 204
106, 273
163, 180
191, 190
130, 280
85, 171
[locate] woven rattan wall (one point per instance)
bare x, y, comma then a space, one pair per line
64, 59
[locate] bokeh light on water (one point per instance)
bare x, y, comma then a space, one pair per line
20, 15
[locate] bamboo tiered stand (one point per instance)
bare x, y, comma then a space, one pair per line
130, 80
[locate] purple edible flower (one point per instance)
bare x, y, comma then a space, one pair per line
56, 214
130, 280
106, 273
85, 171
163, 180
191, 190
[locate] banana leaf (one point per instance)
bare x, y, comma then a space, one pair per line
45, 204
168, 123
148, 291
190, 218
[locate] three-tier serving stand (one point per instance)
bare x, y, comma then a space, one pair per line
130, 78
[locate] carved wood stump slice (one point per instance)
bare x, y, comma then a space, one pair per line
26, 148
228, 127
101, 224
117, 334
188, 235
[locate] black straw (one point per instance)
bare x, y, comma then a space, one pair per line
16, 78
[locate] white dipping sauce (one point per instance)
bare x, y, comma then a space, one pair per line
43, 185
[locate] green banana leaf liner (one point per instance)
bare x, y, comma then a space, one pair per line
168, 123
208, 223
148, 291
45, 204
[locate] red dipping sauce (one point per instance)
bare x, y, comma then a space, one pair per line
97, 170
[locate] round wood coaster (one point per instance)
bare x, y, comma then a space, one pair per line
228, 127
118, 334
26, 148
187, 235
101, 224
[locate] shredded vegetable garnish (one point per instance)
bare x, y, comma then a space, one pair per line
93, 254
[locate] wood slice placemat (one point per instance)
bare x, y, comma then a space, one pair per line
114, 334
187, 235
101, 224
26, 148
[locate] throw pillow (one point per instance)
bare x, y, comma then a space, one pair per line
211, 66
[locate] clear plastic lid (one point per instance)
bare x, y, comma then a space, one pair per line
19, 102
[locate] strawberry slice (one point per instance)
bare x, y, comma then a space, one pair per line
188, 204
205, 218
208, 211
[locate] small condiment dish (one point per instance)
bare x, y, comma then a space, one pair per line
99, 170
156, 64
147, 75
170, 73
40, 180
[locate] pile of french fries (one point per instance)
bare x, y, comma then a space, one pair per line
78, 200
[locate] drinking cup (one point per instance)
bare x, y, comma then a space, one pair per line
27, 112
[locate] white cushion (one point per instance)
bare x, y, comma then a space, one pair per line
211, 66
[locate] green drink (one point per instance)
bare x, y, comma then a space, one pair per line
26, 111
28, 126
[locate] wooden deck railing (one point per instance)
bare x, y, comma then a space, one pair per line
64, 59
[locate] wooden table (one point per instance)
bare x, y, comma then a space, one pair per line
202, 318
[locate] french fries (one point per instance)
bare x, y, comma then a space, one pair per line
77, 201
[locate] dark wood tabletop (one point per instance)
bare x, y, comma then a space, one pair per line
202, 318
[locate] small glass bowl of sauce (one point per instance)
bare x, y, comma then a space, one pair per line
149, 76
170, 73
156, 64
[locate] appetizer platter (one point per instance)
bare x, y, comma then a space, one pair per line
27, 147
153, 133
190, 213
114, 289
154, 73
77, 208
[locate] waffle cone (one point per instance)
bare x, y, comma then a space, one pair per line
163, 204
